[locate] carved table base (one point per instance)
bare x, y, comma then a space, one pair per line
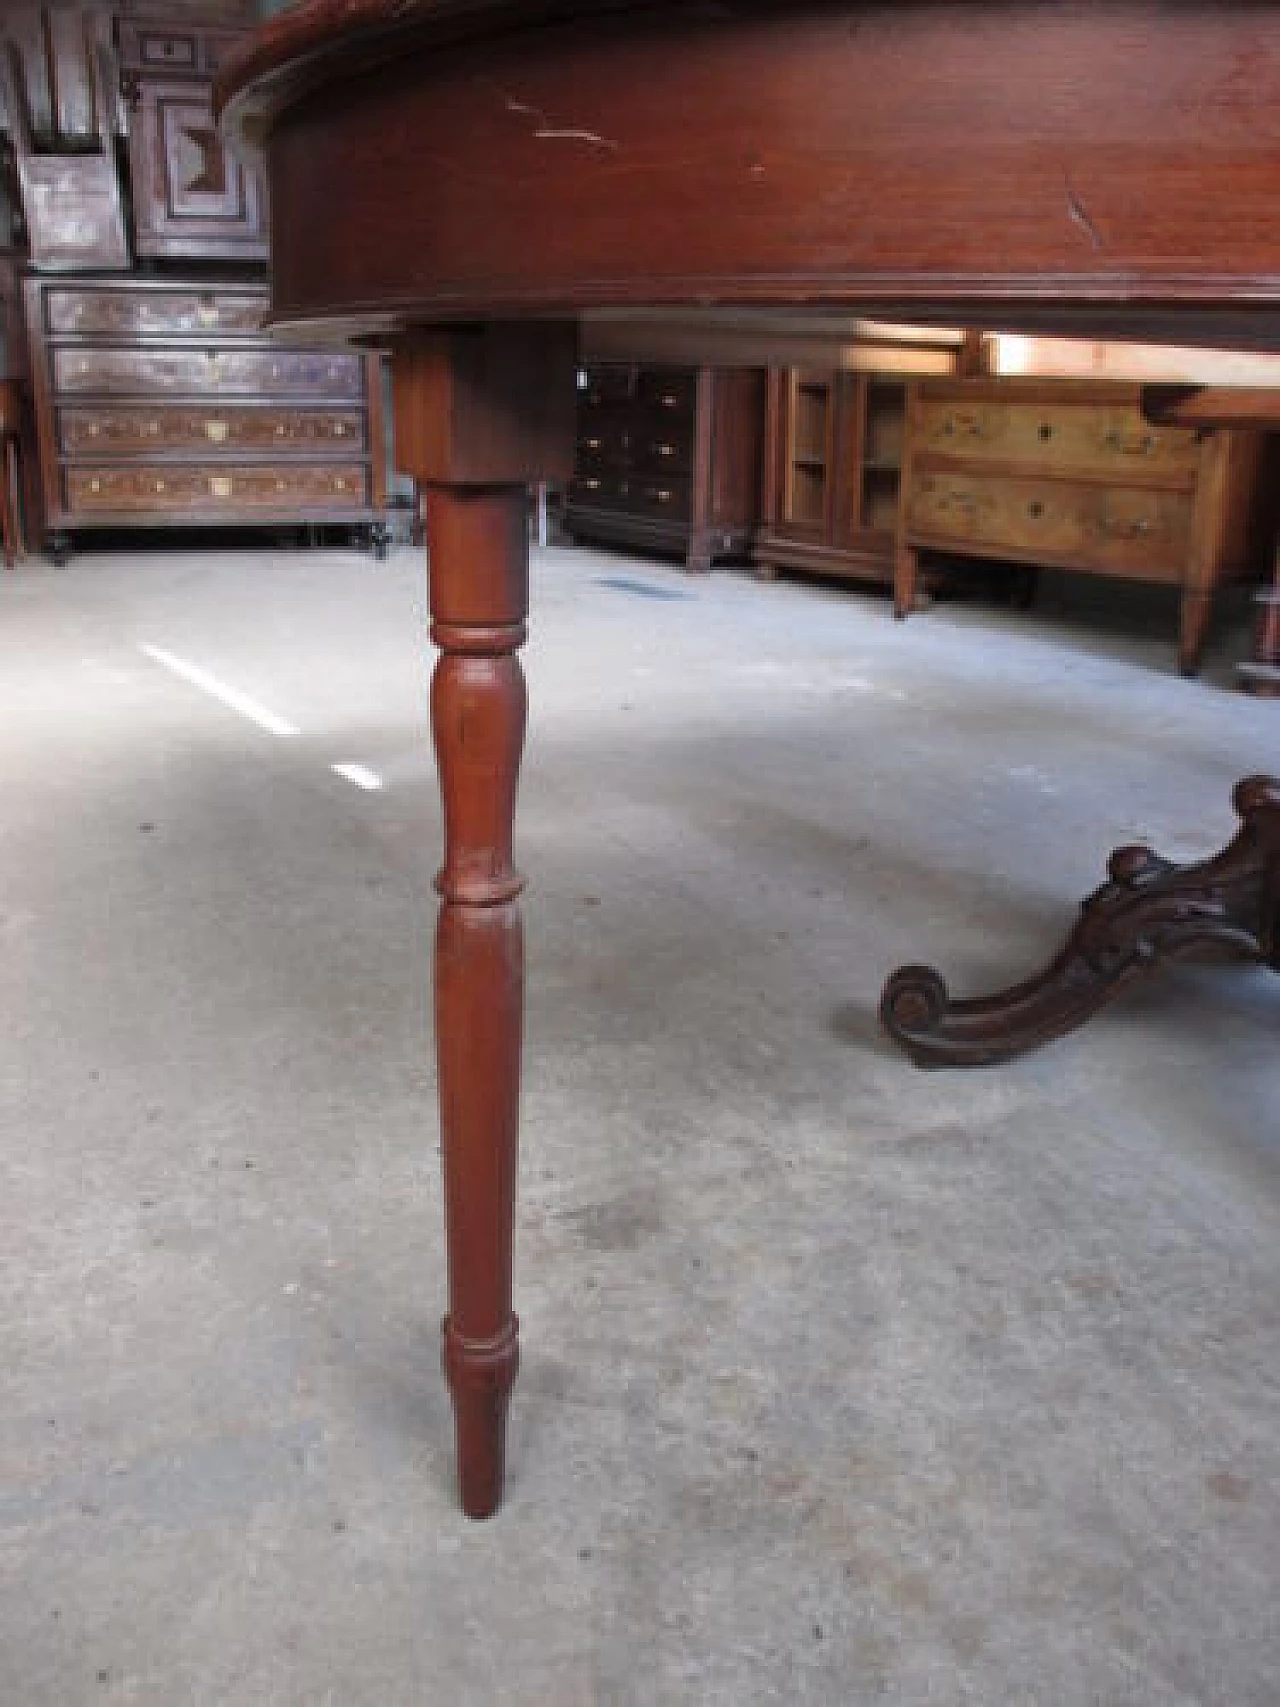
1149, 912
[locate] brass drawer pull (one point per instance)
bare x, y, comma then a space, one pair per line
1133, 444
971, 426
216, 431
1139, 527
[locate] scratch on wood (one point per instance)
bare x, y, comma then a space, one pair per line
545, 131
1078, 213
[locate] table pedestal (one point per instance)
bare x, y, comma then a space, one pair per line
1149, 912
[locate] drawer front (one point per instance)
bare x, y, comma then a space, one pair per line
1126, 530
121, 314
162, 46
151, 47
601, 488
267, 373
606, 387
1076, 439
667, 498
669, 392
603, 444
176, 490
130, 431
663, 455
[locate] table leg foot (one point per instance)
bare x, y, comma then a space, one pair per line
481, 1374
1149, 911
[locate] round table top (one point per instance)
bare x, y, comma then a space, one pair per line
1102, 169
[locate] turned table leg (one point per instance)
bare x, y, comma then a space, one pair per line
1148, 913
479, 599
482, 413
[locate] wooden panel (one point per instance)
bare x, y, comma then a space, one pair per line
129, 432
123, 313
73, 211
1110, 440
71, 52
191, 197
177, 490
225, 369
1127, 531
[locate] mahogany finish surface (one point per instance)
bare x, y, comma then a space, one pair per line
1110, 168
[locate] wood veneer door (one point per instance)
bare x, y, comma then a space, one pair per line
191, 196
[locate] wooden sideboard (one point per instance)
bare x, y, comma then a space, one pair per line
668, 459
1068, 474
162, 403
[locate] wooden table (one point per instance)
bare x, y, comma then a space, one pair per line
468, 179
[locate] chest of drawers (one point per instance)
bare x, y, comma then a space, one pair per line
1067, 474
668, 459
163, 404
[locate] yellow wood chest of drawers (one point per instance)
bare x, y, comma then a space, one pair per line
1067, 474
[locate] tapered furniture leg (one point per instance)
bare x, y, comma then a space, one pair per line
1150, 912
479, 600
481, 414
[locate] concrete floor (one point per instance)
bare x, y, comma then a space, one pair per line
843, 1383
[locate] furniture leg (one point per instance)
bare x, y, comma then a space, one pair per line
479, 600
1196, 609
481, 413
1149, 912
7, 509
906, 576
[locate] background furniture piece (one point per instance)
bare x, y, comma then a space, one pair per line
162, 403
69, 192
156, 400
191, 199
11, 417
833, 471
953, 158
668, 459
1261, 675
1067, 474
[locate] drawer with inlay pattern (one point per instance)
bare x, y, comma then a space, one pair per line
124, 313
176, 488
130, 430
1140, 531
216, 368
1109, 440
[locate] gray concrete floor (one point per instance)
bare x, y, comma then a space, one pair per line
843, 1383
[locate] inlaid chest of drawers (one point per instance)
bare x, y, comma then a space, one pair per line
1068, 474
163, 404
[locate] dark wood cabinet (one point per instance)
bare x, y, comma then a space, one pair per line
668, 459
162, 403
833, 473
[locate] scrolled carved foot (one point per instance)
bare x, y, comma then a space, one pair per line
1148, 912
